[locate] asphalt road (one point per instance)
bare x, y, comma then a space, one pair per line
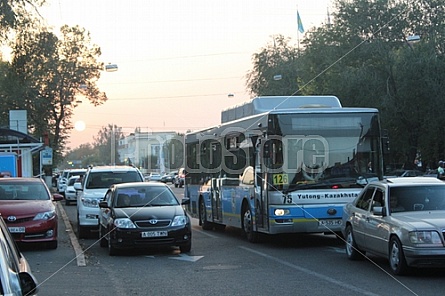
220, 263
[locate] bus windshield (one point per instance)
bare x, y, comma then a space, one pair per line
319, 150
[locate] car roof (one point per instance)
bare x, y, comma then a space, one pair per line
114, 168
139, 184
21, 179
411, 181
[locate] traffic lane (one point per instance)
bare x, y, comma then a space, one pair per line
225, 263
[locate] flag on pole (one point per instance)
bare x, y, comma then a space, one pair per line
300, 23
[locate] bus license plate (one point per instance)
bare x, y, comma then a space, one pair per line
17, 229
330, 222
154, 233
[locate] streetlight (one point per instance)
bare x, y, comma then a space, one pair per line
111, 67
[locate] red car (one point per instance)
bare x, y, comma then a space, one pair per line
26, 205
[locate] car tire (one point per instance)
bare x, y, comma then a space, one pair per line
246, 220
206, 225
397, 260
81, 231
186, 248
176, 185
103, 241
67, 202
52, 245
112, 251
352, 250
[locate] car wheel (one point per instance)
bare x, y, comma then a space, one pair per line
67, 202
81, 231
52, 245
112, 251
206, 225
176, 185
252, 236
397, 259
103, 240
352, 250
186, 247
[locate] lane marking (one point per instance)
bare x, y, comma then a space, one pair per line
312, 273
80, 257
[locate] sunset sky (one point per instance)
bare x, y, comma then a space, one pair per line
178, 59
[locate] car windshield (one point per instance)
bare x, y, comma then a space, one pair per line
144, 197
23, 191
418, 198
106, 179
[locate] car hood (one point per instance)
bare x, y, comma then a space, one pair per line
422, 220
24, 207
97, 193
143, 213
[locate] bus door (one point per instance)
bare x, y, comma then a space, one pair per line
260, 193
216, 199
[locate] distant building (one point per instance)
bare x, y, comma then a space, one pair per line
147, 150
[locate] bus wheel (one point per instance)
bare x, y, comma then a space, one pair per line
203, 216
252, 236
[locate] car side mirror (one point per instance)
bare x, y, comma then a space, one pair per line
78, 186
379, 211
185, 201
103, 204
28, 283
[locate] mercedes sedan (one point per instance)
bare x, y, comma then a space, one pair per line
142, 215
401, 219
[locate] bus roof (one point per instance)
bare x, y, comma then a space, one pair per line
264, 104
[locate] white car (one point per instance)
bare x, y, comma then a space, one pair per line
92, 190
63, 181
70, 191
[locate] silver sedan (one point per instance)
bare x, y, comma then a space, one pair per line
402, 219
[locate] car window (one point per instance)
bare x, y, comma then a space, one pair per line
419, 198
23, 191
365, 199
145, 196
379, 198
106, 179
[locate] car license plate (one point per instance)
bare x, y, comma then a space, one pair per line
330, 222
154, 233
17, 229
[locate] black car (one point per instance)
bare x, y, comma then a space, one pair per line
142, 215
169, 178
15, 274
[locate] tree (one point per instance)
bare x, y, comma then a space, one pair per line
107, 139
364, 58
52, 71
275, 69
15, 14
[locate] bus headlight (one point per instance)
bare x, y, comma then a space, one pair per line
281, 212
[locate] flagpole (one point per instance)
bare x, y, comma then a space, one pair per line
298, 36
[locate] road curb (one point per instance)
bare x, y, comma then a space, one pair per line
80, 257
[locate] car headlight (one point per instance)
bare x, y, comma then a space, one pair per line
90, 202
45, 215
425, 237
179, 221
124, 223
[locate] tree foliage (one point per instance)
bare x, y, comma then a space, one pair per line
107, 138
14, 14
365, 59
51, 72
